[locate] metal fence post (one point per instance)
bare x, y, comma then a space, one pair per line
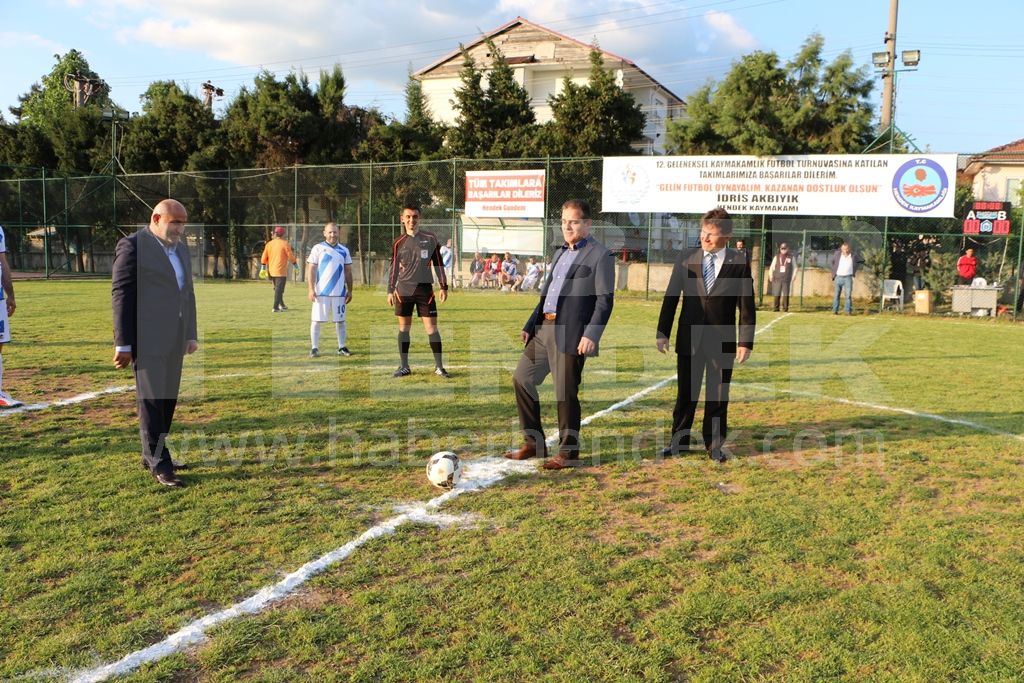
1018, 272
295, 198
457, 259
803, 266
885, 262
369, 207
647, 284
46, 232
760, 265
66, 209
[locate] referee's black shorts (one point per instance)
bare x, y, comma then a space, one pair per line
422, 299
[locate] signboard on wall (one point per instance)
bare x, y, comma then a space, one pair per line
809, 185
988, 218
520, 236
505, 194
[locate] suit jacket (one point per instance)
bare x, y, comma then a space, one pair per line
586, 300
151, 314
857, 261
709, 317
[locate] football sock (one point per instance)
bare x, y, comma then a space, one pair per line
1, 371
342, 333
403, 347
314, 334
435, 346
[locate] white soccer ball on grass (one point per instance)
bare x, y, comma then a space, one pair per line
444, 469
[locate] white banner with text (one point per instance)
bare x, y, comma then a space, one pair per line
808, 185
505, 194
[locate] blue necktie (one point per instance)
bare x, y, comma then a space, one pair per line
709, 271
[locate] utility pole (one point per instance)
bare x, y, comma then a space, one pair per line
82, 87
209, 92
889, 79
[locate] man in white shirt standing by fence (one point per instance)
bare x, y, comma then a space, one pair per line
844, 267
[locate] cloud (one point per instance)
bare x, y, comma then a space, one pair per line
12, 39
734, 35
377, 42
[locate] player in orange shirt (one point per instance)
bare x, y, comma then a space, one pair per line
276, 257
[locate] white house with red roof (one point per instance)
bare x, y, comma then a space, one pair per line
541, 59
998, 174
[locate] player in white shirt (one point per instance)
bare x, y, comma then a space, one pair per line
448, 260
534, 271
329, 278
6, 311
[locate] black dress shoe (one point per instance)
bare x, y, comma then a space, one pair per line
168, 480
677, 447
716, 454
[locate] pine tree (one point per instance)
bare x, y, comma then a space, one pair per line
596, 119
763, 107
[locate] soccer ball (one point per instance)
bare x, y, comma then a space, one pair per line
444, 470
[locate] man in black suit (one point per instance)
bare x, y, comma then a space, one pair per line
714, 283
564, 329
155, 325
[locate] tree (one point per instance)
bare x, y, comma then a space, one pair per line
49, 102
493, 123
275, 124
762, 107
417, 138
174, 125
25, 146
596, 119
76, 139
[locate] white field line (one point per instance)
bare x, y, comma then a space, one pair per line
892, 409
480, 474
93, 395
89, 396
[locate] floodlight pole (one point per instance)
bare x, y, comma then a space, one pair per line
885, 63
889, 86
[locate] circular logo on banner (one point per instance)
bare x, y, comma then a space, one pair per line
632, 185
920, 185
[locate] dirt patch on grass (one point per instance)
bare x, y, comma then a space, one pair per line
638, 507
314, 599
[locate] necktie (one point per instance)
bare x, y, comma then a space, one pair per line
709, 271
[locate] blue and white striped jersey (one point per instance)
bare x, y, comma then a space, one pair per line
330, 268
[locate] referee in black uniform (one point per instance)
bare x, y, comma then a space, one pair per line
410, 285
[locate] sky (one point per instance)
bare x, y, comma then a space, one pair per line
966, 96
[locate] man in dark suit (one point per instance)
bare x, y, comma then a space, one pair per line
155, 325
564, 329
714, 283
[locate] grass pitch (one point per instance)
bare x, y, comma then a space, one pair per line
866, 527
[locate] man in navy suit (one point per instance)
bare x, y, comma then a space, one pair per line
564, 329
714, 283
155, 325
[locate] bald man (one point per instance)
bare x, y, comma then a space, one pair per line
155, 326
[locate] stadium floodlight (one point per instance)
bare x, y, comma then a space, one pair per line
880, 59
911, 57
118, 114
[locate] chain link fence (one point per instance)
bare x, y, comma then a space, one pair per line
68, 225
